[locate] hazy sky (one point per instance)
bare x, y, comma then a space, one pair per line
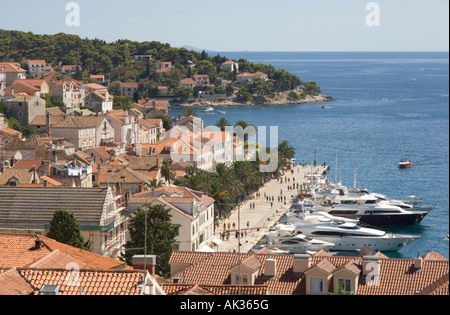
236, 25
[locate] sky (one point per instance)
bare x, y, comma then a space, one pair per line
245, 25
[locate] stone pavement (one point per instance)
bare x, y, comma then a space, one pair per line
254, 223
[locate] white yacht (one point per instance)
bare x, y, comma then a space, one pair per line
378, 214
284, 238
346, 234
209, 109
368, 207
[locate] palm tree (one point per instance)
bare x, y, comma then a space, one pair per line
189, 111
167, 170
154, 183
222, 123
228, 179
248, 174
285, 153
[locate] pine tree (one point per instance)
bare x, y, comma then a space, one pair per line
65, 229
160, 238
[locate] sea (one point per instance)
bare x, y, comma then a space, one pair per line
388, 106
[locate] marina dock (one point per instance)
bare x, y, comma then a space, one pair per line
258, 214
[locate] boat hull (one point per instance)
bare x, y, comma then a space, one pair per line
375, 244
393, 220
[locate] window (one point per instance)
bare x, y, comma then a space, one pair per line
345, 285
316, 285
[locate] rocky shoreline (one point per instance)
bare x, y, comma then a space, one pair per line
258, 101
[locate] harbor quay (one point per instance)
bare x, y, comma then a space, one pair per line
262, 210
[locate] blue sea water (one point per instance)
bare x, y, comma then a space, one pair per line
389, 106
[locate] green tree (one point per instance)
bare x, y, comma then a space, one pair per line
189, 111
222, 123
167, 170
65, 229
154, 183
160, 238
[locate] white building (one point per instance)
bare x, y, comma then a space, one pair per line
191, 210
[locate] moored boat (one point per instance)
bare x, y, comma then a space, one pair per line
405, 163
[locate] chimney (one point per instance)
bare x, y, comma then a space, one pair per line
270, 267
370, 264
45, 183
38, 243
142, 262
302, 262
418, 262
50, 290
54, 157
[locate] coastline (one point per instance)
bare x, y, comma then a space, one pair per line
261, 101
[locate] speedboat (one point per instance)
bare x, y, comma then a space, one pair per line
221, 112
209, 109
285, 238
405, 163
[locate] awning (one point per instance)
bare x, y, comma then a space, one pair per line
217, 241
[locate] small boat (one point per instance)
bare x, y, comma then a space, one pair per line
209, 109
405, 163
221, 112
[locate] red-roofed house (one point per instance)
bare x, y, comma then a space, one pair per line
70, 69
319, 274
38, 68
13, 72
128, 89
231, 65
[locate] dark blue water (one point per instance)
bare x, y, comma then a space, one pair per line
388, 106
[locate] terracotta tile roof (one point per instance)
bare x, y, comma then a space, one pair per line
12, 283
180, 289
9, 131
19, 250
28, 164
92, 282
397, 277
12, 67
130, 85
37, 62
187, 81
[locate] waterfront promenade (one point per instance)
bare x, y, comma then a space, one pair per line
256, 221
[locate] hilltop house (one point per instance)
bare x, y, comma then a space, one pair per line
187, 83
231, 65
128, 89
201, 79
70, 69
248, 78
191, 210
38, 68
13, 72
97, 78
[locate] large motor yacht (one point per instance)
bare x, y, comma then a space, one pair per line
347, 235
